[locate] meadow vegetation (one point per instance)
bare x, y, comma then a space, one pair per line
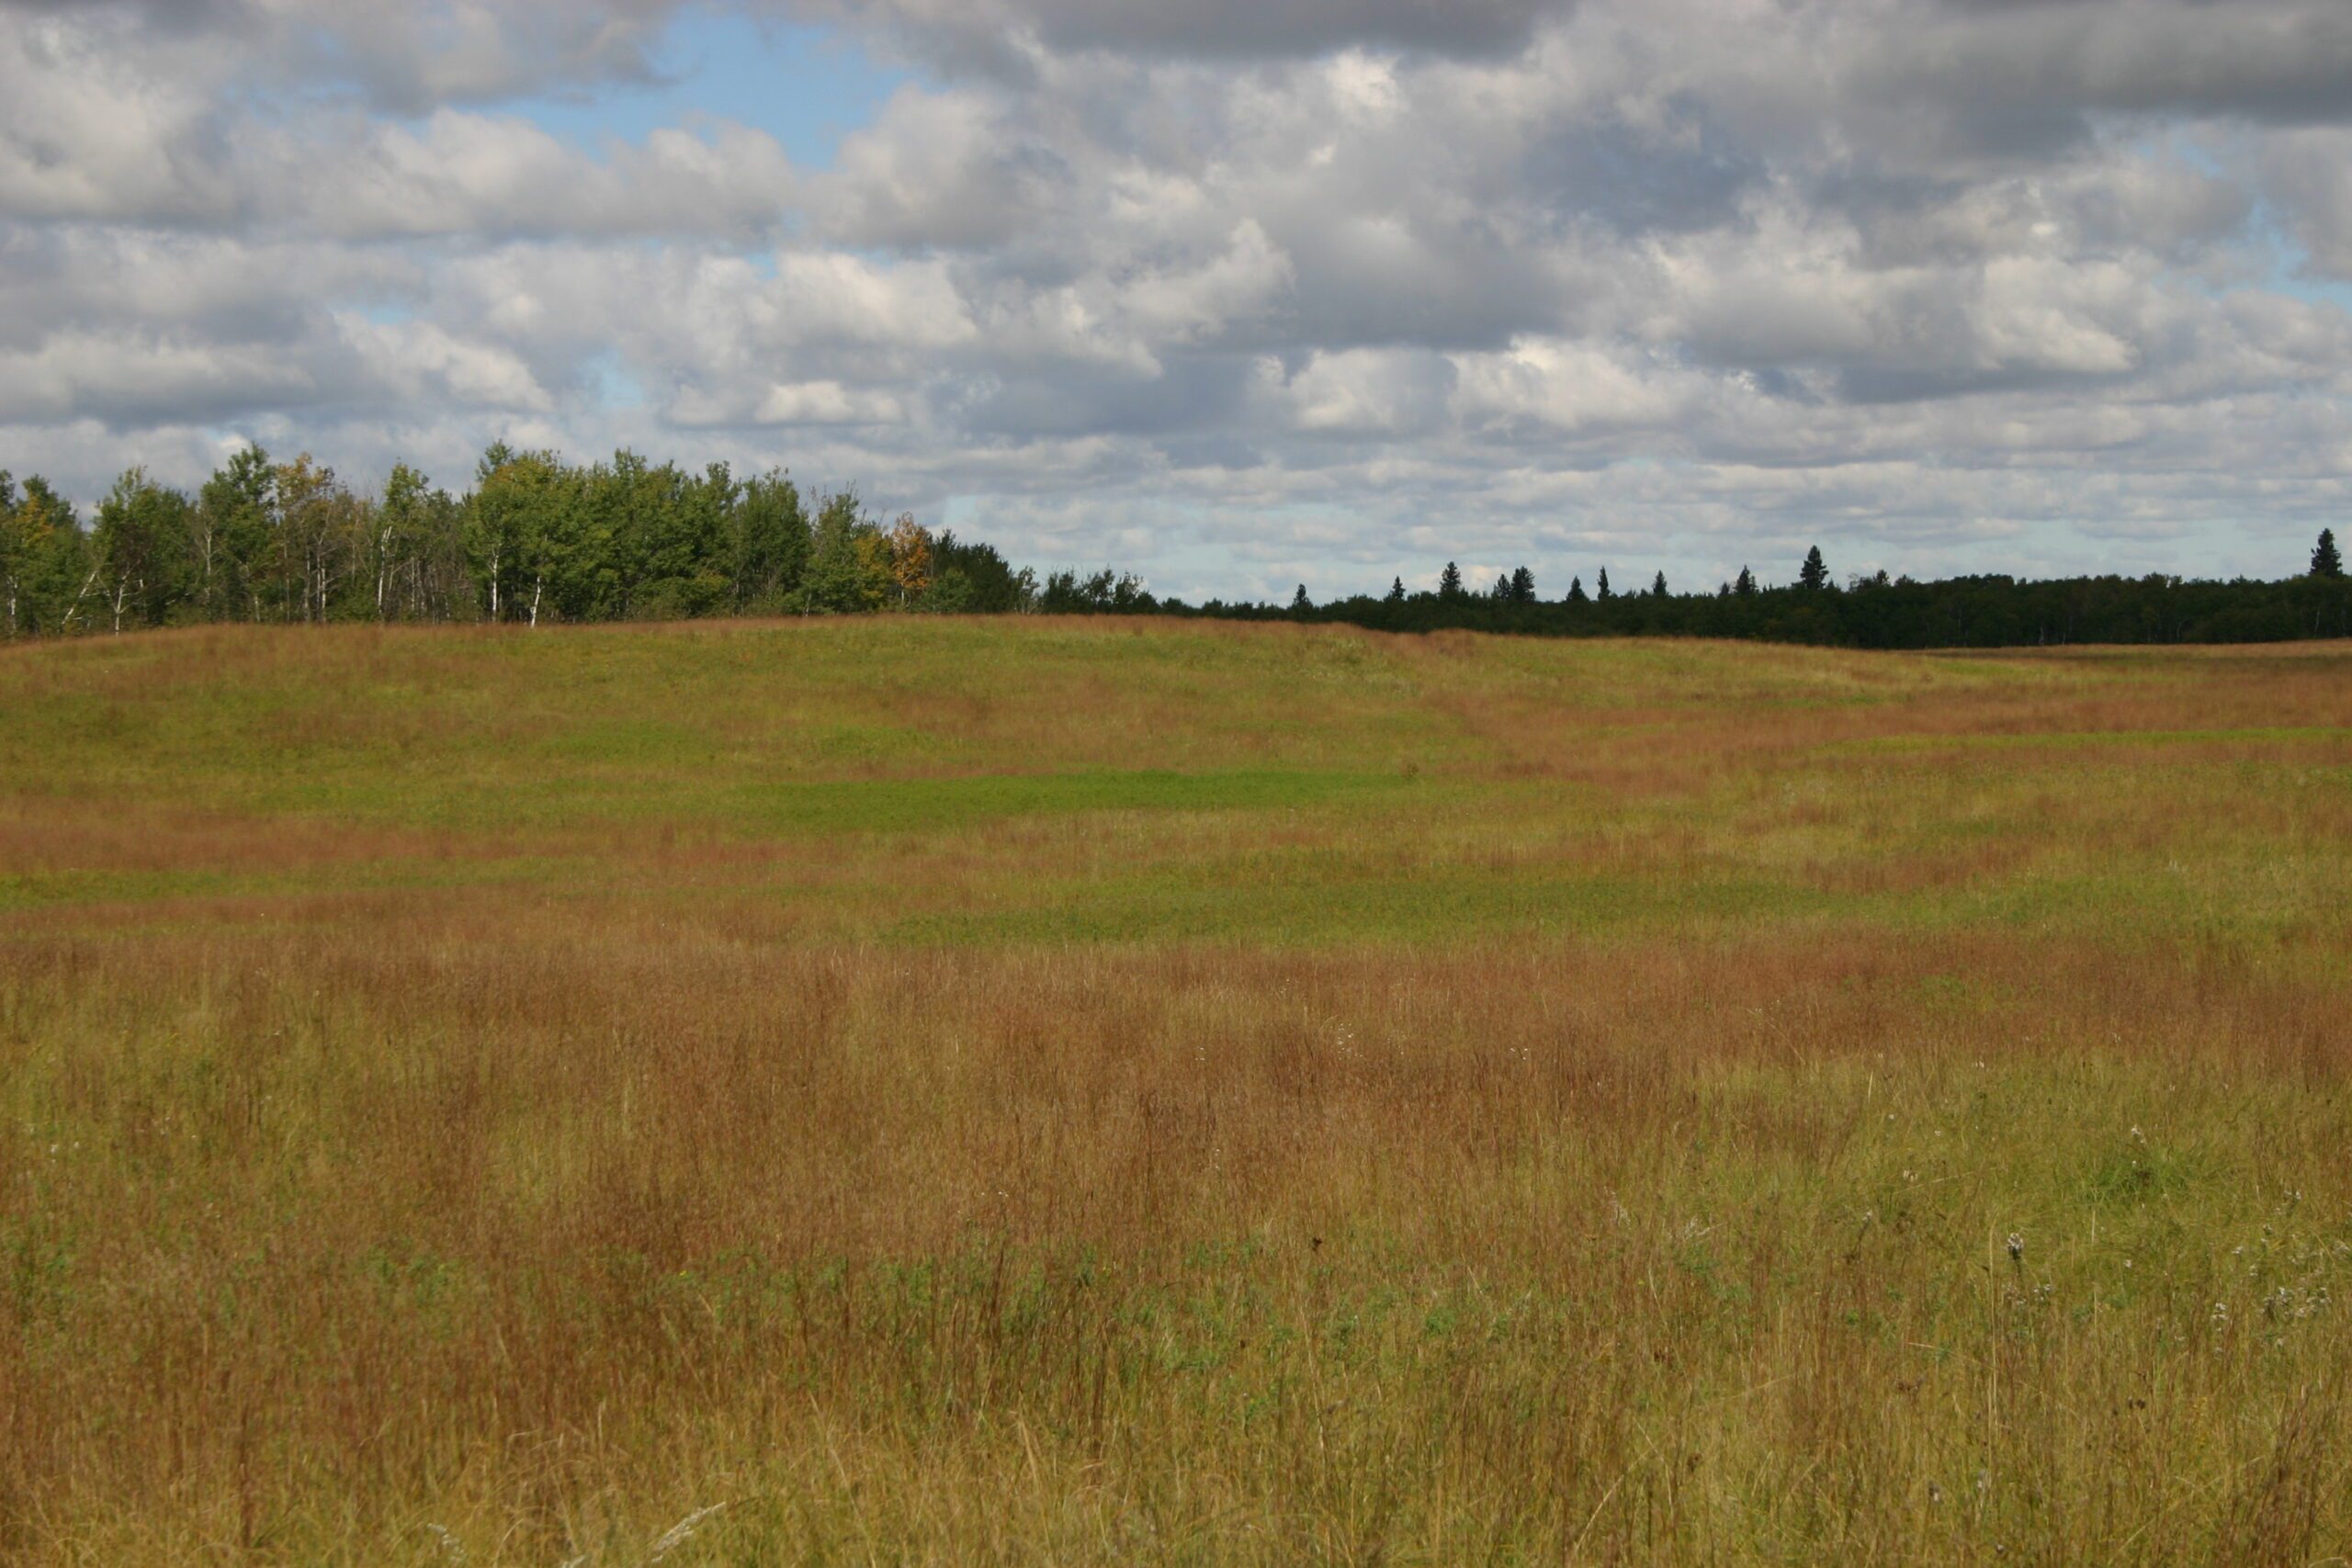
1086, 1091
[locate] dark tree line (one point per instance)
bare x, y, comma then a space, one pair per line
1866, 612
536, 539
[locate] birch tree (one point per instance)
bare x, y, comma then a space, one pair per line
141, 540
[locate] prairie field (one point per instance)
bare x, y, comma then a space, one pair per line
918, 1089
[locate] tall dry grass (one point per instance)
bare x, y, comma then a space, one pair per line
579, 1179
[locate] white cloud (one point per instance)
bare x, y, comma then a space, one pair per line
1228, 287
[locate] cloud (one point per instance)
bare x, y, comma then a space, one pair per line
1008, 37
1226, 288
406, 58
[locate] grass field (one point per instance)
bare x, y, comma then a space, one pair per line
1044, 1091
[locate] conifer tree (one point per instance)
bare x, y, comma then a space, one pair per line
1397, 592
1815, 573
1745, 582
1576, 592
1657, 586
1449, 583
2326, 561
1601, 588
1299, 602
1522, 587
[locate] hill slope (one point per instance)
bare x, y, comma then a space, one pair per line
1001, 780
1081, 1090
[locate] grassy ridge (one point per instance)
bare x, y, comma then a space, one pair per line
1110, 1090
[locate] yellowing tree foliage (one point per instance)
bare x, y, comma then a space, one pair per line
910, 556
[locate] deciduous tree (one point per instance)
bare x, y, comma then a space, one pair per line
141, 542
910, 559
769, 542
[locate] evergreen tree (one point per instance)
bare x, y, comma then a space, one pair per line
1397, 592
1576, 592
1449, 583
1657, 586
1745, 584
974, 578
1602, 590
1522, 586
1501, 592
1299, 602
1815, 573
2326, 561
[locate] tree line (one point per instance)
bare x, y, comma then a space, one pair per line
533, 539
1866, 611
536, 539
1873, 611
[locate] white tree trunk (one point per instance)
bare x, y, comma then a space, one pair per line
75, 608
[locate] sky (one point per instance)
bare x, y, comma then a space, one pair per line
1237, 294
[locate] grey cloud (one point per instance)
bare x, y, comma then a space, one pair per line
2308, 177
1608, 172
938, 169
1003, 38
407, 58
1224, 289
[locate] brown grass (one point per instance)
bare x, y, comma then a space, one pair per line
375, 1188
